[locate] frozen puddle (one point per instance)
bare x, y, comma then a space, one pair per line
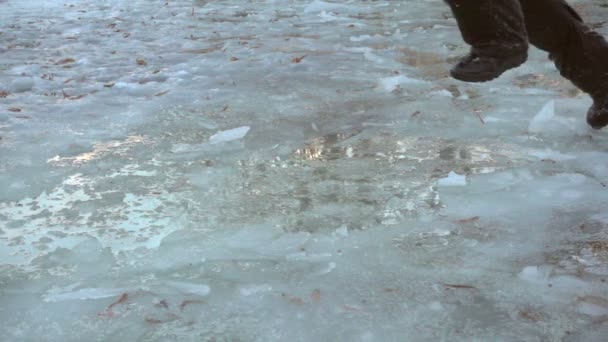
289, 170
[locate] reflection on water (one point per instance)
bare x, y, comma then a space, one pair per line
115, 147
323, 148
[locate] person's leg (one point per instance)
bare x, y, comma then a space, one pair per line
580, 54
496, 32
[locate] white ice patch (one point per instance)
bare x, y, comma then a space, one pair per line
229, 135
535, 274
393, 83
544, 116
453, 179
83, 294
322, 6
549, 154
250, 290
191, 288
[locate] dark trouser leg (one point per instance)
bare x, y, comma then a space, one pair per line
580, 54
496, 31
492, 27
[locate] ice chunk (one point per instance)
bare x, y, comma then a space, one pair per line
322, 6
247, 291
229, 135
21, 85
83, 294
535, 274
593, 306
392, 83
453, 179
197, 289
546, 114
342, 231
551, 155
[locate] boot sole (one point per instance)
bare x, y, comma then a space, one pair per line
480, 77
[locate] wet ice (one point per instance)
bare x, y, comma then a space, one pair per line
277, 170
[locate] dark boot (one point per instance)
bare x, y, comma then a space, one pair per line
474, 68
580, 54
597, 116
496, 32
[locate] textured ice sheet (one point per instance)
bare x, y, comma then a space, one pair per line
319, 213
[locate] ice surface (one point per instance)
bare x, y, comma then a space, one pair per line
453, 179
206, 170
229, 135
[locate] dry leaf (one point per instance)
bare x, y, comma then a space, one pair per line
532, 316
293, 300
185, 303
468, 220
66, 61
203, 51
75, 97
14, 109
162, 93
234, 59
3, 94
315, 296
163, 304
458, 286
153, 321
141, 61
108, 311
109, 85
298, 59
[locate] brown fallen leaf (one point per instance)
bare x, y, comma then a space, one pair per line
162, 304
14, 109
352, 308
293, 300
415, 114
109, 85
3, 94
315, 296
141, 61
75, 97
532, 316
298, 59
185, 303
468, 220
68, 81
234, 59
66, 61
459, 286
108, 311
162, 93
203, 51
153, 321
155, 71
